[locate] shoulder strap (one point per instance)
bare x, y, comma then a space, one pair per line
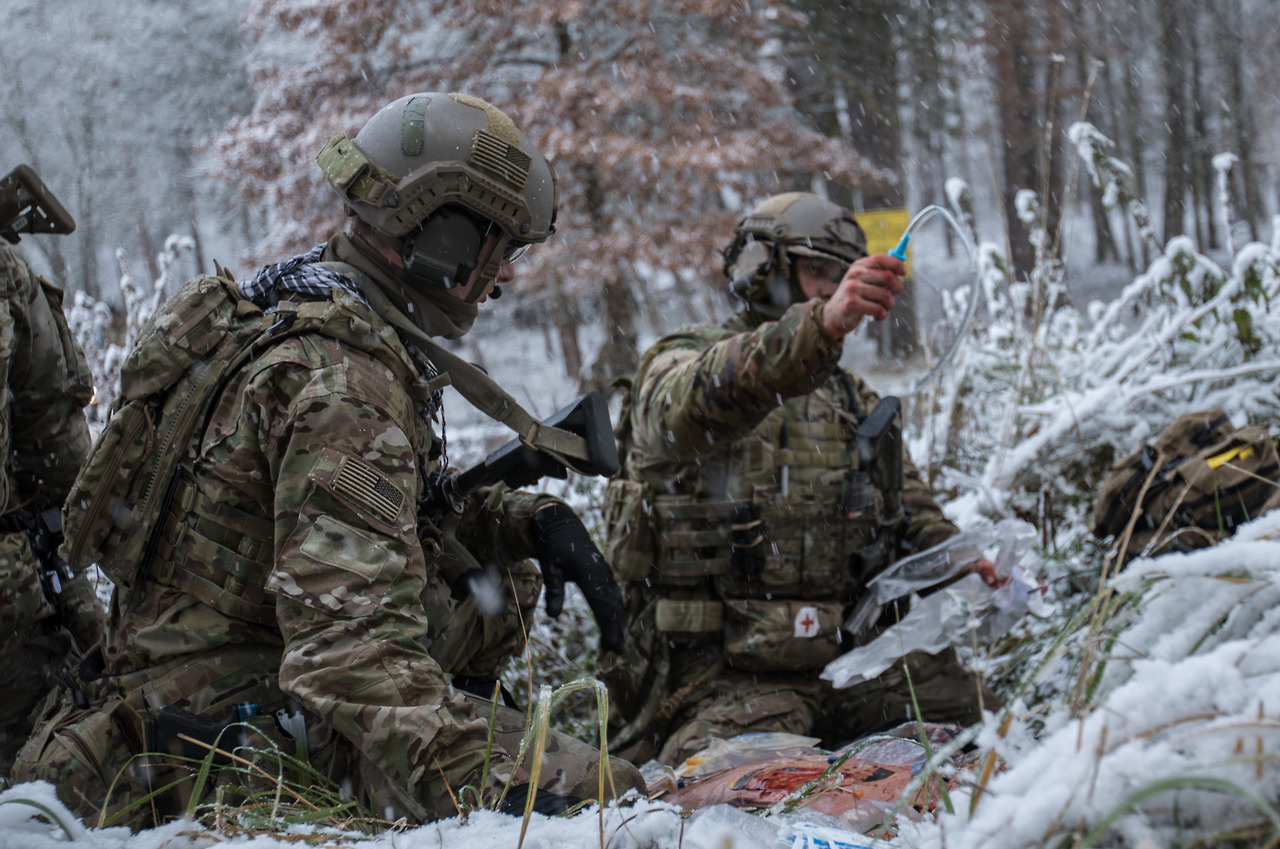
471, 382
850, 394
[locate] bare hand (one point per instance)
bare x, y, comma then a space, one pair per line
867, 289
986, 570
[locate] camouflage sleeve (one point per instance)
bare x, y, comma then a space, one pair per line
927, 525
500, 519
707, 384
350, 569
51, 385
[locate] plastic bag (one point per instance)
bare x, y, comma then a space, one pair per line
756, 747
933, 566
952, 615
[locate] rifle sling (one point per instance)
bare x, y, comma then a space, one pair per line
471, 382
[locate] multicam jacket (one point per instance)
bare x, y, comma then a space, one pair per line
740, 509
295, 565
44, 385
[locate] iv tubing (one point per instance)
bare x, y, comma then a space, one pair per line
971, 313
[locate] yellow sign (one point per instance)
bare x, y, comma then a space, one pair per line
884, 228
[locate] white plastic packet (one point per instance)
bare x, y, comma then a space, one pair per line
1009, 538
949, 616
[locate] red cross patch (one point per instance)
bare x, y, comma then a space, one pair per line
807, 624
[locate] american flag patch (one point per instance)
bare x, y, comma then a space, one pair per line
369, 488
496, 156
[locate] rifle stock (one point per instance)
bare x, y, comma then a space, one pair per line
27, 206
518, 465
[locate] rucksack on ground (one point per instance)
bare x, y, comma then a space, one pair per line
1188, 488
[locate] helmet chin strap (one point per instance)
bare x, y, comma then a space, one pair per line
478, 280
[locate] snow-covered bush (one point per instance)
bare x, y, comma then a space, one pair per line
1142, 714
1039, 398
92, 322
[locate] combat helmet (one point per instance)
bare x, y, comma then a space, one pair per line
760, 260
434, 173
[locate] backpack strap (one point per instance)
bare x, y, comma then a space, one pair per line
471, 382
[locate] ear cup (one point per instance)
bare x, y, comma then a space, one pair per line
749, 264
445, 248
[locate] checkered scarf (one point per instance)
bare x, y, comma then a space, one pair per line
296, 276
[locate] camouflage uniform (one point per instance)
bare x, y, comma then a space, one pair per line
753, 577
296, 575
44, 386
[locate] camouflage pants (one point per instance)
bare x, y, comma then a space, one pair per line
27, 672
32, 652
706, 701
95, 757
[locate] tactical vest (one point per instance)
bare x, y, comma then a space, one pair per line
765, 541
134, 508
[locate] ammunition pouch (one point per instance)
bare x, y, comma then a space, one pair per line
629, 547
688, 616
216, 554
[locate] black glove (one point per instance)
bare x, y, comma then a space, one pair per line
567, 553
546, 802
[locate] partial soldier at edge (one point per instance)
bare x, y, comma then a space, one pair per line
48, 617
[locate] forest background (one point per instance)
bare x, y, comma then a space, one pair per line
664, 121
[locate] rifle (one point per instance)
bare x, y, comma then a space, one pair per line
518, 465
27, 206
44, 532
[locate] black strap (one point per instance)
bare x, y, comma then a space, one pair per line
850, 393
1146, 462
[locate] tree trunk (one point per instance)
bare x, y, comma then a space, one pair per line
149, 256
1240, 114
1202, 170
565, 319
1130, 120
618, 355
1177, 173
1019, 127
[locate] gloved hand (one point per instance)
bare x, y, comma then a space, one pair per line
566, 553
546, 802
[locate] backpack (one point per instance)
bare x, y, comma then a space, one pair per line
1189, 488
168, 383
